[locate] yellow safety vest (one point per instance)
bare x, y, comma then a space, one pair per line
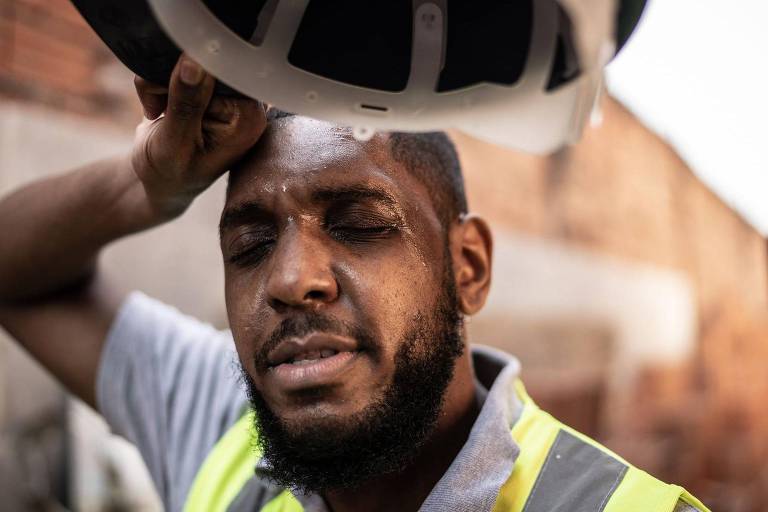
558, 468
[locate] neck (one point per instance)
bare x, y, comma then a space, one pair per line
407, 490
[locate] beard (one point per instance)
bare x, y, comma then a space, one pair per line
385, 437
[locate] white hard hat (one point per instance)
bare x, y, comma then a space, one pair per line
521, 73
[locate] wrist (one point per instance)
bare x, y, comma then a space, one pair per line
161, 191
137, 207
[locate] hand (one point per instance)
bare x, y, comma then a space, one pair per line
189, 138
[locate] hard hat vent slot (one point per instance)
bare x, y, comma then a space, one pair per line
375, 108
367, 44
486, 41
565, 65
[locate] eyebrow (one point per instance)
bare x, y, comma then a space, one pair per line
353, 194
252, 211
244, 213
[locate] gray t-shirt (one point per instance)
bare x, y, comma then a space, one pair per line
169, 384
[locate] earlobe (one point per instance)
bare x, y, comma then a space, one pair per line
474, 245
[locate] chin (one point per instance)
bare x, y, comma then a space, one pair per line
318, 418
318, 407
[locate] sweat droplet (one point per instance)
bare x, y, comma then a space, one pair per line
362, 133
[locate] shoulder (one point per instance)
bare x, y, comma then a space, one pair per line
152, 334
554, 457
169, 383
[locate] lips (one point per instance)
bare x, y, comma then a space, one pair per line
308, 357
309, 348
314, 360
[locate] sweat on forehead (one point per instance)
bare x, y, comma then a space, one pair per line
430, 157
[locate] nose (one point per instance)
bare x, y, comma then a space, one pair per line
301, 275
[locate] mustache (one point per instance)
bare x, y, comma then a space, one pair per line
300, 326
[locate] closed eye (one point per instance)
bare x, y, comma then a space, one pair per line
250, 255
362, 234
249, 249
357, 223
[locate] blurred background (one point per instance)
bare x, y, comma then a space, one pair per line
630, 269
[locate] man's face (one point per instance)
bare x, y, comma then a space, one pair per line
331, 226
337, 272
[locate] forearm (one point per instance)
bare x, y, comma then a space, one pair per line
52, 230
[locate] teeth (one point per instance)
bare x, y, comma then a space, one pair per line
308, 357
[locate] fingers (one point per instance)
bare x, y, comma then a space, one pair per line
222, 110
153, 97
200, 135
190, 92
225, 109
233, 126
249, 123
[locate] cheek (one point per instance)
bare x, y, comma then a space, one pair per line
243, 313
389, 292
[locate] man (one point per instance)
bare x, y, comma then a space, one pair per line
349, 268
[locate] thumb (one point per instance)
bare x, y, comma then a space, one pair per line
189, 93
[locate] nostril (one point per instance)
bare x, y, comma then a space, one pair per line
315, 295
277, 304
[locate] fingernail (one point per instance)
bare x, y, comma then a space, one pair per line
191, 72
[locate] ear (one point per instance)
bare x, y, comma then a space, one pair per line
472, 248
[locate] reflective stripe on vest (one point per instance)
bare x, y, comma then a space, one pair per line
557, 470
560, 469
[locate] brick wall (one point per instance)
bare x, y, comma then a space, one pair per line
49, 56
623, 192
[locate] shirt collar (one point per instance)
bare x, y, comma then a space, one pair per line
485, 462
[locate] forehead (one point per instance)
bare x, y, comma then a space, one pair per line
298, 154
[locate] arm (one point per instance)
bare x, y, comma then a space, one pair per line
52, 299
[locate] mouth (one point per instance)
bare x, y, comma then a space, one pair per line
315, 360
307, 357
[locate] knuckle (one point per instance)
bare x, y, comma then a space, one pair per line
185, 109
221, 108
249, 108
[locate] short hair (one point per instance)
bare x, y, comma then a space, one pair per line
432, 159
